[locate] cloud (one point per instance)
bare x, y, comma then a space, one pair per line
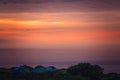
97, 4
29, 1
44, 1
9, 42
5, 40
23, 1
58, 5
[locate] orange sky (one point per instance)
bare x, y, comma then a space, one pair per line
52, 29
84, 29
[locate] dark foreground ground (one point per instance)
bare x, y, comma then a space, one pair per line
82, 71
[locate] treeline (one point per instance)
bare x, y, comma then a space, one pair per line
81, 71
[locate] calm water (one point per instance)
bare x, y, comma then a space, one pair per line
57, 57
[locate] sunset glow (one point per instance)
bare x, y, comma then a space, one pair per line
85, 30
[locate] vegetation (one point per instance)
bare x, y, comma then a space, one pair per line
82, 71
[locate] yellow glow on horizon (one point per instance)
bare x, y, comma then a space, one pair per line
32, 23
5, 21
50, 23
57, 22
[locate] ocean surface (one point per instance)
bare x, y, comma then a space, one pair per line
61, 58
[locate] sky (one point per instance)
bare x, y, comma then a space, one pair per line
60, 32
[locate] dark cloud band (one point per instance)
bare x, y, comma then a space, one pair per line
24, 1
58, 5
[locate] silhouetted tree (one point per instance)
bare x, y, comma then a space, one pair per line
39, 66
111, 76
82, 71
53, 67
87, 70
